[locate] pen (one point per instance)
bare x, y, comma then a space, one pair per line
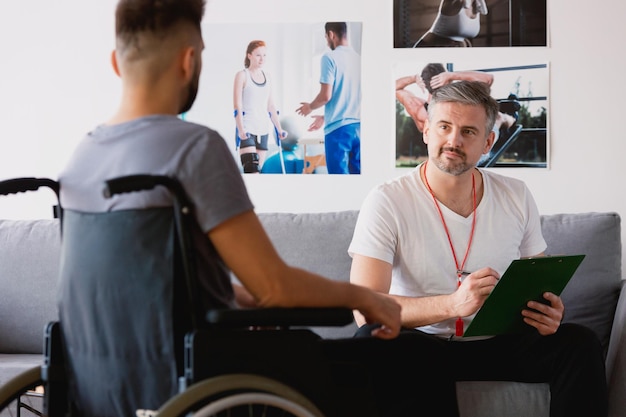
463, 274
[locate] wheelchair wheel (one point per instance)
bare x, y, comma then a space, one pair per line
22, 395
240, 395
253, 404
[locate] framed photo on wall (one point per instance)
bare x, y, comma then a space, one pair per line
521, 90
477, 23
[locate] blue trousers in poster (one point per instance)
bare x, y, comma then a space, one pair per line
343, 149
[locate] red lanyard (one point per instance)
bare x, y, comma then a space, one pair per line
459, 268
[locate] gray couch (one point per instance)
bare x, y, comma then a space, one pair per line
29, 252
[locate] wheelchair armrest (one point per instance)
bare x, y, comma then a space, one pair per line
281, 317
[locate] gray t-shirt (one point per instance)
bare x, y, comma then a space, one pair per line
163, 145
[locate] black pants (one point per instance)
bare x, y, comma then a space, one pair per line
571, 361
404, 377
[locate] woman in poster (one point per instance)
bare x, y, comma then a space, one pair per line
254, 108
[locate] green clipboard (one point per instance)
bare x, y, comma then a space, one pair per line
524, 280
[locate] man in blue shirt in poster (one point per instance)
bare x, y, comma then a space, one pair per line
340, 94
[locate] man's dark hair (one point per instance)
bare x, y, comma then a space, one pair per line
338, 28
429, 71
133, 17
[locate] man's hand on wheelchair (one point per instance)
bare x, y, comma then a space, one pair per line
243, 297
386, 312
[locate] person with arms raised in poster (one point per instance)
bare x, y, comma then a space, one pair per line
435, 75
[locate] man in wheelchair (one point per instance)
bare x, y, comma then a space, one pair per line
116, 295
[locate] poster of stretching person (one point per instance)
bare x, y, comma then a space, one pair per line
520, 129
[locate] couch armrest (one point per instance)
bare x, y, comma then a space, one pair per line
616, 358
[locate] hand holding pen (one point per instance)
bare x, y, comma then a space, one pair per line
474, 287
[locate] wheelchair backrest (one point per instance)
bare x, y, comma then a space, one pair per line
116, 307
126, 299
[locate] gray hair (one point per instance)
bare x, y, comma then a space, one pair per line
474, 93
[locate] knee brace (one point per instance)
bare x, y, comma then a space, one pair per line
250, 162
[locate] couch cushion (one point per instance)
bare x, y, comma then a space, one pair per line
317, 242
591, 296
29, 255
503, 399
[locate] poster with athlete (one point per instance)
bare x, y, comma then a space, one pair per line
286, 96
520, 130
469, 23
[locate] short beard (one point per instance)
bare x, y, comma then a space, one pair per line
450, 168
192, 92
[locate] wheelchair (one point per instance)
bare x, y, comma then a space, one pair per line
226, 362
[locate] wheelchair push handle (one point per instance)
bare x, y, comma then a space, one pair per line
142, 182
129, 184
22, 185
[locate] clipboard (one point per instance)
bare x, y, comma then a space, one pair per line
524, 280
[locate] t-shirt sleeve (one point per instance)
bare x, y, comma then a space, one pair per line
213, 182
375, 233
533, 242
327, 70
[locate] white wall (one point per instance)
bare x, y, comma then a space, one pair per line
56, 84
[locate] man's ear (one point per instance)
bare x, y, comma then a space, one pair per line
114, 63
425, 132
491, 137
332, 36
188, 62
